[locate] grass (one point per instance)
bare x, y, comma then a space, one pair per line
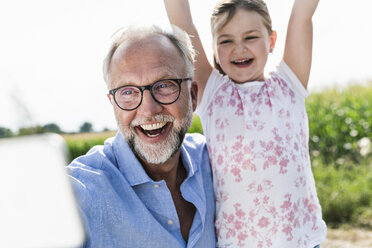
345, 193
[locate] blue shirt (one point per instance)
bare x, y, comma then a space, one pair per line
123, 207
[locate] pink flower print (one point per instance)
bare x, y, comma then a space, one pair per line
283, 164
279, 150
253, 97
287, 203
233, 225
268, 146
221, 196
238, 157
220, 138
220, 160
268, 103
238, 225
288, 126
249, 164
271, 160
218, 100
263, 222
236, 171
292, 95
242, 237
238, 211
287, 229
277, 137
259, 188
239, 144
300, 182
228, 217
232, 102
210, 109
239, 109
296, 146
224, 87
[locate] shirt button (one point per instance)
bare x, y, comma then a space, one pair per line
170, 222
156, 185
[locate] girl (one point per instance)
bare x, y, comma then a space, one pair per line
256, 126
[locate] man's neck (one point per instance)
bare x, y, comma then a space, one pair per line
170, 171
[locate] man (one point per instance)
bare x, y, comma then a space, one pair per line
150, 186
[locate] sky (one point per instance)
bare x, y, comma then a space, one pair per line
51, 52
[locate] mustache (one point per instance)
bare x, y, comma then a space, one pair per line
155, 118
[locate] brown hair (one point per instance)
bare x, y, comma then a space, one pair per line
226, 9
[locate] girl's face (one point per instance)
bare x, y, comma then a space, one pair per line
242, 47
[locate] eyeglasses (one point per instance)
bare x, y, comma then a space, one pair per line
166, 91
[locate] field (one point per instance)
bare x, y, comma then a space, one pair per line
340, 122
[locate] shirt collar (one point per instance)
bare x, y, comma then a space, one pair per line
131, 168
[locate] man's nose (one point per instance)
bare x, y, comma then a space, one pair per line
149, 106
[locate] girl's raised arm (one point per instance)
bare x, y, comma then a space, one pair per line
299, 41
179, 14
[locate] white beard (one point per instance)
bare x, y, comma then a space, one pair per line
158, 153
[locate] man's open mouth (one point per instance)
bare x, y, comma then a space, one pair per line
153, 130
242, 61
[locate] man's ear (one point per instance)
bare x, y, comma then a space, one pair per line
194, 95
109, 97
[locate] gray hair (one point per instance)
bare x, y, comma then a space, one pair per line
177, 36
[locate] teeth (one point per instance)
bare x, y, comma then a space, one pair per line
240, 61
153, 126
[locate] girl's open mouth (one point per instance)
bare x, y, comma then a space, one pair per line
242, 62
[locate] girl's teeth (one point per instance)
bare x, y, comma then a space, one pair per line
153, 126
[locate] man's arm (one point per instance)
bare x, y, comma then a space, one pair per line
179, 14
299, 41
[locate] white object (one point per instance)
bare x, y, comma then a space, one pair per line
37, 204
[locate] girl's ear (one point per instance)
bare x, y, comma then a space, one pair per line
215, 57
272, 41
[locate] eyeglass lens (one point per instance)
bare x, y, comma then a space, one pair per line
165, 92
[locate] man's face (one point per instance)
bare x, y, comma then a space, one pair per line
153, 131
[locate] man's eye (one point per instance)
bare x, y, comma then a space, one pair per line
162, 85
127, 92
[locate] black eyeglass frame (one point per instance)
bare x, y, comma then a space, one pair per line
149, 88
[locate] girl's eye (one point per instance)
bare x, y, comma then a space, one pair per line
251, 37
225, 42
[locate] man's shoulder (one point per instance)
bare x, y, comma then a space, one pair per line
94, 160
195, 149
194, 140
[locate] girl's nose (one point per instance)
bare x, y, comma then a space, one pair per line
240, 47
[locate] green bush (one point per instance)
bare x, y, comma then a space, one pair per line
196, 126
338, 120
80, 144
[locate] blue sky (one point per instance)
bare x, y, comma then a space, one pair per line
52, 52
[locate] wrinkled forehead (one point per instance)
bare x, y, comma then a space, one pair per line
148, 54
